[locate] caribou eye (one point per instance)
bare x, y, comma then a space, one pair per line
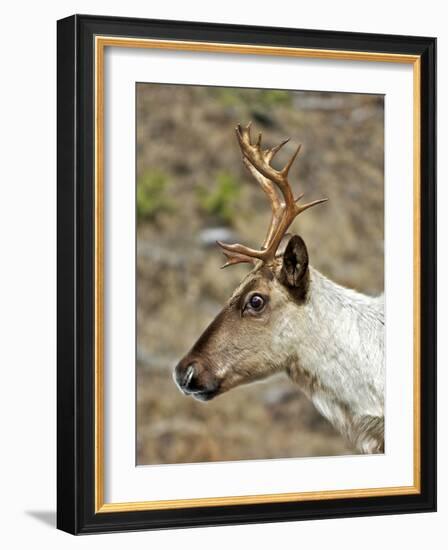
256, 302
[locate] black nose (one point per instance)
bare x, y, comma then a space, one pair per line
195, 377
187, 377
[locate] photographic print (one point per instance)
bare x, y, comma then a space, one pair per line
280, 354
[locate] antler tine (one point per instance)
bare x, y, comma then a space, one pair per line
238, 253
244, 131
287, 168
258, 162
302, 207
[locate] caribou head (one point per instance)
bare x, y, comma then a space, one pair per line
252, 337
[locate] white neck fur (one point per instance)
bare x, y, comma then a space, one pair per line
338, 359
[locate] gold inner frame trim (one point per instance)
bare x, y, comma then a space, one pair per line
101, 42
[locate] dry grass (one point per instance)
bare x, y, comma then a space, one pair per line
186, 133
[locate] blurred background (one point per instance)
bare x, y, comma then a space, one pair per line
193, 189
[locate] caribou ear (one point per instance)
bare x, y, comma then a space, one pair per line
295, 263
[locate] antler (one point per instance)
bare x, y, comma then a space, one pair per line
284, 209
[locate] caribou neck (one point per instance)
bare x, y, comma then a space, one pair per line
338, 358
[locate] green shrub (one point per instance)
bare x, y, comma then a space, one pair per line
253, 99
219, 201
269, 98
152, 195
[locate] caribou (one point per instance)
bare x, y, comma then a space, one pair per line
287, 317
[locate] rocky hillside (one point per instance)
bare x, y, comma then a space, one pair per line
191, 189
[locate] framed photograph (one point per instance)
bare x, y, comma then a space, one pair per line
297, 383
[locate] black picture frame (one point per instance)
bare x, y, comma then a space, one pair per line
76, 253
